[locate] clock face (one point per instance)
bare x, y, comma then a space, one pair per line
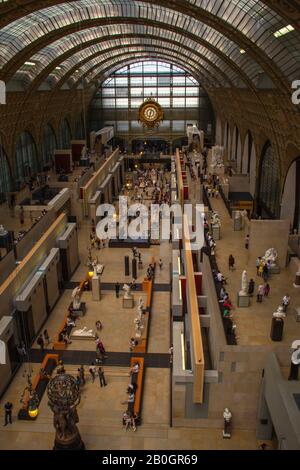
150, 113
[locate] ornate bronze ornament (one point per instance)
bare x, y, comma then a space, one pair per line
64, 396
151, 114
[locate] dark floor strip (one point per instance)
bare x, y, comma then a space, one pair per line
121, 359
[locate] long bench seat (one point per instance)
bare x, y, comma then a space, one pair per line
136, 407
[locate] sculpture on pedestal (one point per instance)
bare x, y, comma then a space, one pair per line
127, 290
244, 290
215, 219
280, 313
227, 415
64, 397
84, 332
76, 298
295, 361
271, 256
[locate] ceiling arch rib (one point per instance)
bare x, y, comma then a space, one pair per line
53, 55
253, 21
46, 30
76, 64
94, 66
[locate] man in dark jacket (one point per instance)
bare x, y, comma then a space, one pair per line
8, 410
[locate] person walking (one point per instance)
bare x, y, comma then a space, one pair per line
267, 289
257, 264
101, 377
92, 371
231, 263
260, 293
247, 240
261, 269
41, 342
117, 288
46, 337
160, 263
265, 273
251, 287
81, 375
8, 411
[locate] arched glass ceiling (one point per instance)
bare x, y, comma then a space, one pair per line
107, 64
79, 62
80, 41
251, 24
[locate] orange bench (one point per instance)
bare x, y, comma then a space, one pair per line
37, 378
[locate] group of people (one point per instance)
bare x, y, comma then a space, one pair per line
129, 416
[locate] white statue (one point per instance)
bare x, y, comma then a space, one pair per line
271, 255
76, 298
215, 219
245, 283
127, 290
280, 313
140, 307
84, 332
138, 327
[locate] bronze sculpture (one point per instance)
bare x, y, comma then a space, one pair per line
64, 397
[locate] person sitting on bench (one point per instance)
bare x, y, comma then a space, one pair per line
135, 369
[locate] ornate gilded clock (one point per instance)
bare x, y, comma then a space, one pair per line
151, 113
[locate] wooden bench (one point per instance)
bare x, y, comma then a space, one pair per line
39, 383
136, 407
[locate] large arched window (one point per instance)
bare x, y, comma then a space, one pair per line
49, 144
65, 135
5, 179
269, 191
26, 156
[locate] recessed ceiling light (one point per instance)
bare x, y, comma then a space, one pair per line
57, 68
31, 64
242, 51
281, 32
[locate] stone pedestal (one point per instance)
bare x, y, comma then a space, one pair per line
277, 329
237, 222
243, 300
297, 280
128, 303
274, 269
216, 232
96, 291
